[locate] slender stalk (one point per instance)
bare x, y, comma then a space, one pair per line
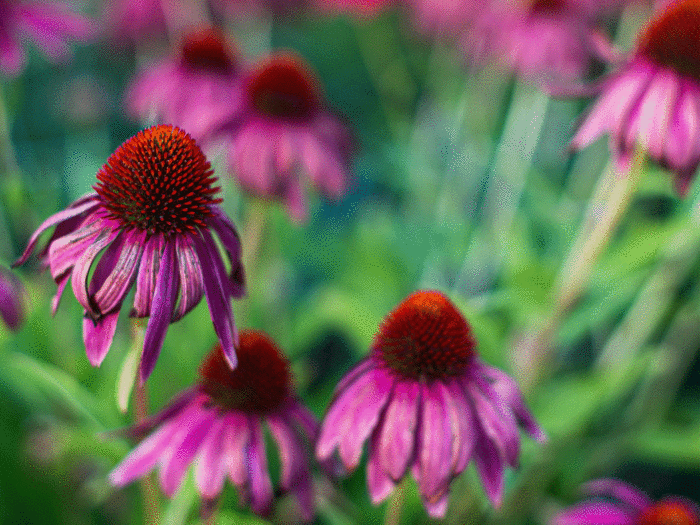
393, 509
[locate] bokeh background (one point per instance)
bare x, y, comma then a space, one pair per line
462, 182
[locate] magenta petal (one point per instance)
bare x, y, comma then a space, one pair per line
304, 418
619, 490
462, 424
191, 281
162, 307
65, 251
490, 468
61, 285
397, 436
434, 454
236, 446
210, 470
11, 299
146, 278
82, 205
79, 277
182, 448
379, 483
225, 229
358, 371
217, 299
437, 506
98, 335
594, 513
258, 475
175, 407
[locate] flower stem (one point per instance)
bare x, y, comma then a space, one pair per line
393, 509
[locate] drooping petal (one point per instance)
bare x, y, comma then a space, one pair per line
301, 415
594, 513
60, 286
379, 483
462, 422
358, 371
64, 252
83, 205
81, 269
489, 465
182, 448
164, 297
175, 406
235, 447
98, 335
146, 279
226, 230
258, 475
434, 452
437, 505
210, 469
620, 490
217, 299
397, 436
191, 281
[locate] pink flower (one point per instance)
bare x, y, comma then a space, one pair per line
447, 17
197, 90
363, 8
653, 100
616, 503
150, 219
136, 19
285, 135
543, 40
49, 24
219, 424
11, 299
426, 403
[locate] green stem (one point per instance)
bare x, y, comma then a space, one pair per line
393, 509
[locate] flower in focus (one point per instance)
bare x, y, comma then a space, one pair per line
11, 299
50, 25
284, 134
197, 90
149, 221
219, 423
616, 503
550, 41
653, 100
426, 403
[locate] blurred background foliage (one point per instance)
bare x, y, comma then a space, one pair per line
462, 183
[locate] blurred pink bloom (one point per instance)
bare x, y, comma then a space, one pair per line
616, 503
50, 25
653, 99
543, 40
426, 403
446, 17
198, 89
219, 425
135, 19
285, 135
11, 299
363, 8
150, 219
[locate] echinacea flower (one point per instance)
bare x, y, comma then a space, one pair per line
219, 425
550, 41
197, 90
614, 502
11, 299
653, 100
149, 221
426, 403
285, 135
50, 25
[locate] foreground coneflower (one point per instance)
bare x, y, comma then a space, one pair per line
50, 25
220, 425
11, 299
653, 100
427, 404
285, 136
149, 222
616, 503
198, 89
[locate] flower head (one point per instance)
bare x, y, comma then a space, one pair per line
618, 503
284, 134
11, 299
219, 425
198, 89
50, 25
426, 403
653, 100
149, 222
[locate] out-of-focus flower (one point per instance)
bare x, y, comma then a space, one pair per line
548, 41
616, 503
50, 25
219, 423
653, 100
197, 90
447, 17
426, 403
363, 8
11, 299
135, 19
285, 135
149, 222
237, 8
